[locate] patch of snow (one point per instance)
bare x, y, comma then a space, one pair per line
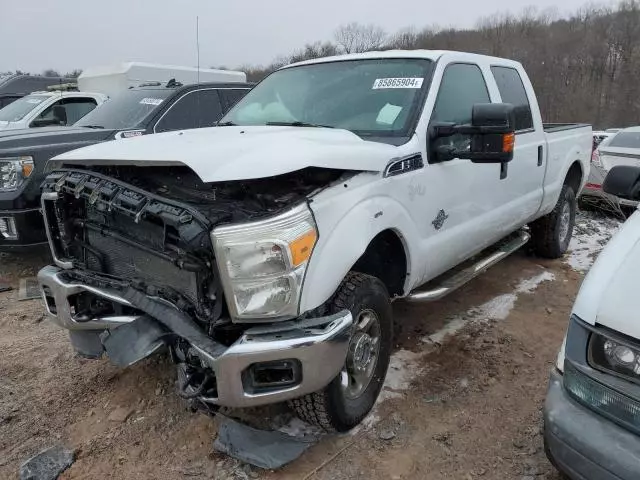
590, 235
497, 308
529, 285
300, 429
404, 366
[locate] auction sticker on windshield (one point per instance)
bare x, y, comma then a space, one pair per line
151, 101
397, 83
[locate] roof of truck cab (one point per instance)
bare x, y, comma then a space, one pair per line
433, 55
192, 86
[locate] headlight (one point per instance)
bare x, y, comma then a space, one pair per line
614, 356
14, 171
262, 264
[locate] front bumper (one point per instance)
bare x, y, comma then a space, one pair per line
318, 346
29, 226
583, 444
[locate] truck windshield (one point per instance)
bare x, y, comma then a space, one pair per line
377, 97
16, 111
126, 110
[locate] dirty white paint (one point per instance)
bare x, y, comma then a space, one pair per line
590, 235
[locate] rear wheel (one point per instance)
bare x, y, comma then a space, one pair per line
345, 402
551, 234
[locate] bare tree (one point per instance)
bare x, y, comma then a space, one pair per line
356, 38
73, 73
50, 72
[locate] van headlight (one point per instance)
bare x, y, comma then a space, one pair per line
14, 171
262, 264
621, 357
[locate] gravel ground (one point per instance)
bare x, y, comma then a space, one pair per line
462, 400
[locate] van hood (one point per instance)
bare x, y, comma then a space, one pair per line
236, 153
608, 295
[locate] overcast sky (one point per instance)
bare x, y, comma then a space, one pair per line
68, 34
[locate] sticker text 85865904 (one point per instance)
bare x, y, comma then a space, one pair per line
397, 83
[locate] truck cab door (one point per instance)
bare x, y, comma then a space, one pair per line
525, 173
466, 207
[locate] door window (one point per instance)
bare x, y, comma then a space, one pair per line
73, 109
197, 109
232, 96
462, 86
512, 91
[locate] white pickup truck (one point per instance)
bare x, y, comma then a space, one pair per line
266, 252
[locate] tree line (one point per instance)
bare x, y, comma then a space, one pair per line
585, 67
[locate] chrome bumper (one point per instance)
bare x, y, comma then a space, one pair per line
320, 350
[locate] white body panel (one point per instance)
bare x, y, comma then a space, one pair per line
52, 98
113, 79
480, 206
608, 294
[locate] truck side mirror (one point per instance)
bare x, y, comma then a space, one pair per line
491, 134
623, 181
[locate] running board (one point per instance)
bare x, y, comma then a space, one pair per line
452, 282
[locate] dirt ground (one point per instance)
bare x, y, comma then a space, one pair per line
463, 397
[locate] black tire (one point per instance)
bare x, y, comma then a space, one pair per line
548, 237
330, 409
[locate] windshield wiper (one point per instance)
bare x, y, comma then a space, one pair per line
297, 124
226, 124
93, 126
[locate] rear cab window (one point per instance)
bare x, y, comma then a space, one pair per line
624, 140
195, 109
231, 96
512, 91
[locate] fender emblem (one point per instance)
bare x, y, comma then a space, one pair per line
439, 220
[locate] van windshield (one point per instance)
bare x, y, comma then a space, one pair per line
377, 97
126, 110
16, 111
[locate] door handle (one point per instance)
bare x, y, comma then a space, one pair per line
540, 154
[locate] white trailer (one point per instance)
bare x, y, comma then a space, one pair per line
112, 79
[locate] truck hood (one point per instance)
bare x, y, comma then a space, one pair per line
38, 137
608, 294
235, 153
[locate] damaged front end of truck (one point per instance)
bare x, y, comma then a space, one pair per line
150, 258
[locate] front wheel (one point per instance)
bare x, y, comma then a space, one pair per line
551, 234
347, 400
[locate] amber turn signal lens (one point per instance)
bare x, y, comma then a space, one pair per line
27, 169
301, 248
508, 141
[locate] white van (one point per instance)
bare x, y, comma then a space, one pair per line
592, 411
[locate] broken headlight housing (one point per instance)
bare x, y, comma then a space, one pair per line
14, 171
262, 264
615, 356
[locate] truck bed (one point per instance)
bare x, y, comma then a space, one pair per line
558, 127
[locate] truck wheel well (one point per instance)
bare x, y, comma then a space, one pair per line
385, 259
574, 177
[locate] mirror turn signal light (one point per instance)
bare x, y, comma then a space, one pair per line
508, 142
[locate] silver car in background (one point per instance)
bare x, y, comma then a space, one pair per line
623, 148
